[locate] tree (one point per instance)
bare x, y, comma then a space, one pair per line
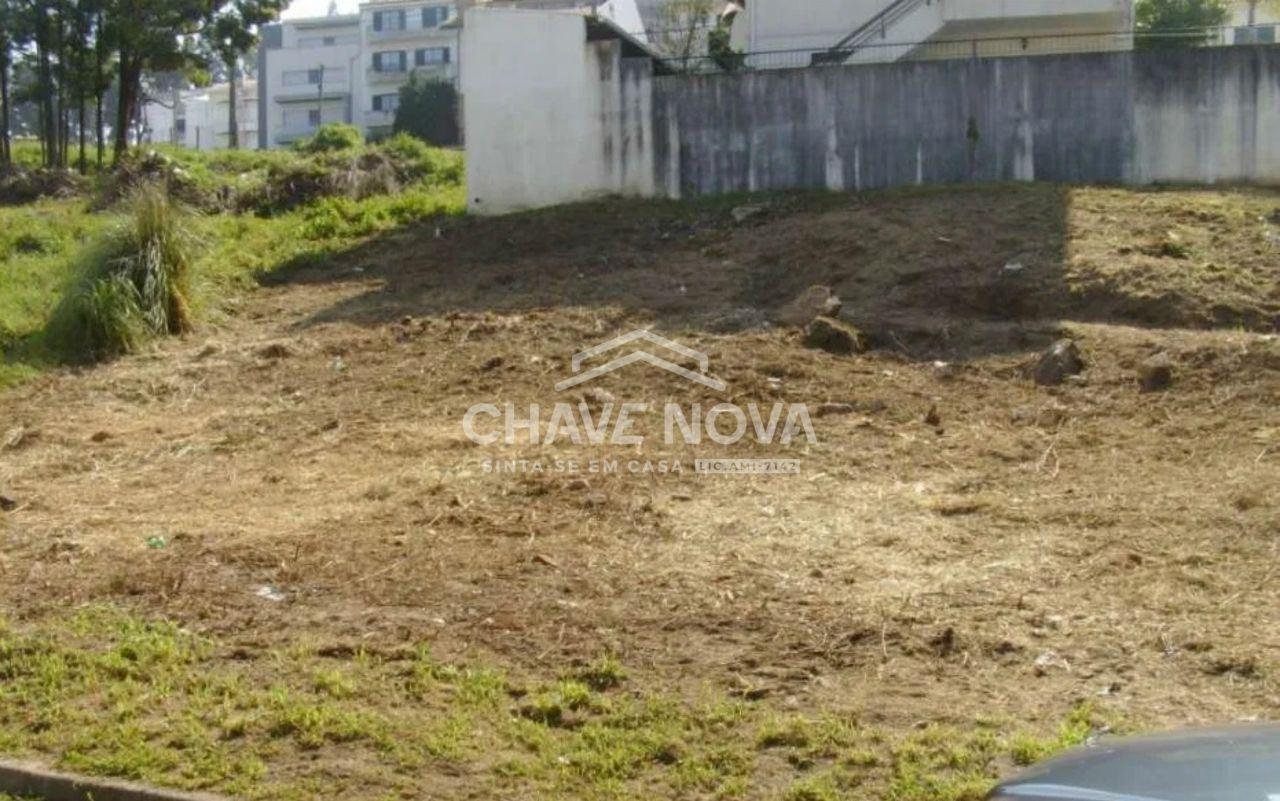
103, 53
723, 54
232, 33
428, 110
684, 24
147, 35
8, 45
1178, 23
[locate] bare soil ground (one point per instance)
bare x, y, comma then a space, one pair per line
1035, 548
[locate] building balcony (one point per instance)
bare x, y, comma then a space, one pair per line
308, 94
401, 34
971, 10
379, 119
436, 72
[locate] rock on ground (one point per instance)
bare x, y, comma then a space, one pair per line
1156, 373
1058, 363
833, 336
816, 301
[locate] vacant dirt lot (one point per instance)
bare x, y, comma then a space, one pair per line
301, 471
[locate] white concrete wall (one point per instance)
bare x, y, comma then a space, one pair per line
572, 123
1215, 126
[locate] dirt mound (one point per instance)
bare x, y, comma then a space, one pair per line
139, 167
19, 185
342, 174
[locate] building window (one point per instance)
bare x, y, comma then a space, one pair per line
386, 102
309, 42
313, 117
304, 77
1258, 34
435, 16
428, 56
389, 20
390, 61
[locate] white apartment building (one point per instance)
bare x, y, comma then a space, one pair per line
308, 75
1253, 22
349, 68
402, 38
200, 118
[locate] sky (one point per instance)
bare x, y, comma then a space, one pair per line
318, 8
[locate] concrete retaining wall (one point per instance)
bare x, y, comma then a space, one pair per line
552, 117
1201, 116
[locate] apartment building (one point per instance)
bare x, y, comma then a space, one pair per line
308, 75
200, 118
349, 68
1253, 22
402, 38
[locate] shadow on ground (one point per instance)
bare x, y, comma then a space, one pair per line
946, 272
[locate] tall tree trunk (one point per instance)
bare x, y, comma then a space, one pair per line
6, 154
130, 75
99, 56
233, 129
63, 78
99, 125
48, 118
84, 113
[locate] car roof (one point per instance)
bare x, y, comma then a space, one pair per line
1240, 763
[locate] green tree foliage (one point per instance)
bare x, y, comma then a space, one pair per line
1178, 23
722, 52
428, 110
148, 35
684, 27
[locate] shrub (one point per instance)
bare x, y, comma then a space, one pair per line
415, 160
332, 138
428, 109
134, 285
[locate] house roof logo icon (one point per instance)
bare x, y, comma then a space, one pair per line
582, 376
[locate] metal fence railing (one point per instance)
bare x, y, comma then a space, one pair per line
870, 50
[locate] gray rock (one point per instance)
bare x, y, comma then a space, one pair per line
1059, 362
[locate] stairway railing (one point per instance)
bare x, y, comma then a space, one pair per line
876, 26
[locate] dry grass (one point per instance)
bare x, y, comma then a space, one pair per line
1033, 550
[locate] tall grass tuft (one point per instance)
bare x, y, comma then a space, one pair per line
135, 285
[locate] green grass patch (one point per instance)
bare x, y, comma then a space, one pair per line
53, 248
106, 693
133, 286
